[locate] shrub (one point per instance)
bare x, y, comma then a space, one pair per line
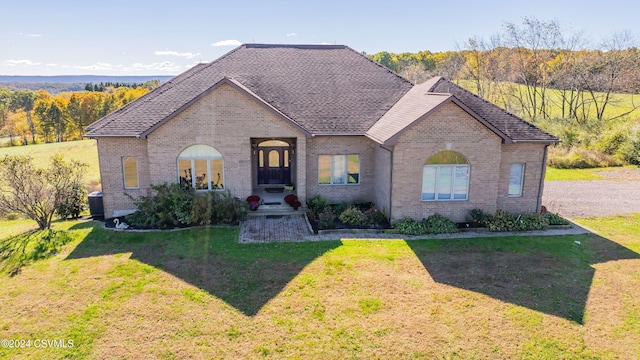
73, 202
352, 216
561, 158
326, 218
555, 219
375, 216
531, 221
504, 221
479, 217
174, 205
408, 226
438, 224
317, 204
501, 221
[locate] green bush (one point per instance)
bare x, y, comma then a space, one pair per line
375, 216
479, 217
174, 205
531, 221
577, 158
501, 221
438, 224
326, 218
317, 204
434, 224
555, 219
352, 216
504, 221
408, 226
74, 201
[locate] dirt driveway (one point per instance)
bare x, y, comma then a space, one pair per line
617, 193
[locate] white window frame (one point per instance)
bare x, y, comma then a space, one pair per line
193, 166
438, 168
124, 175
346, 169
521, 185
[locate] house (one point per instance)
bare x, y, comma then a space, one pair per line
330, 122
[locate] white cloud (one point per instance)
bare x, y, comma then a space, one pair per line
291, 34
324, 43
96, 66
52, 65
227, 43
166, 66
23, 63
34, 35
186, 55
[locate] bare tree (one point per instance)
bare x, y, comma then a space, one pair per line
35, 193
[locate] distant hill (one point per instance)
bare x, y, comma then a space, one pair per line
62, 83
71, 79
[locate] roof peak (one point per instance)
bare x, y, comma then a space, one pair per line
294, 46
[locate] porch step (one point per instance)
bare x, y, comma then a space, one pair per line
284, 209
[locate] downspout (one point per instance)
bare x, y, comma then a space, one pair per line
542, 174
390, 178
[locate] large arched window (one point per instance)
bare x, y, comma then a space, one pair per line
201, 167
445, 177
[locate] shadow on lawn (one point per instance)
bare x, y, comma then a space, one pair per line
246, 276
550, 275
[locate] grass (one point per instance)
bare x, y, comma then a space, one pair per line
601, 173
84, 151
199, 294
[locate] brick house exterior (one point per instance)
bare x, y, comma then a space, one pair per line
330, 122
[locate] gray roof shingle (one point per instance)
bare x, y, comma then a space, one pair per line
325, 89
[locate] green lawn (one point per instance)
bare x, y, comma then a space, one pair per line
199, 294
84, 151
554, 174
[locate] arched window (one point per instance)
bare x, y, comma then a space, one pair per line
445, 177
201, 167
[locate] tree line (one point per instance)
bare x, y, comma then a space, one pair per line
535, 69
28, 117
583, 93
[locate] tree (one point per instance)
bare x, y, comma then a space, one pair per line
25, 99
36, 193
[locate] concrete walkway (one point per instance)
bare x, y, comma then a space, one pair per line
294, 228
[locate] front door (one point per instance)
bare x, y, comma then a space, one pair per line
274, 163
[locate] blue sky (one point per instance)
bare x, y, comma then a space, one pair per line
162, 37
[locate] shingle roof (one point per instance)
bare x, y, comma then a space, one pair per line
513, 127
324, 89
424, 98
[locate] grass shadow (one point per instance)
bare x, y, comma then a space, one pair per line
552, 275
19, 250
246, 276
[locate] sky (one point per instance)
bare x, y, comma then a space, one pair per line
167, 37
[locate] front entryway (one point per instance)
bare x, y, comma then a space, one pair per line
274, 162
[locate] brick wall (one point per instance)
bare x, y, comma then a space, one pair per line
448, 128
225, 119
342, 145
110, 153
383, 178
532, 155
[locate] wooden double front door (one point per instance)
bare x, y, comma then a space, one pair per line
274, 163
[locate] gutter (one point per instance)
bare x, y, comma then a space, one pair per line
542, 174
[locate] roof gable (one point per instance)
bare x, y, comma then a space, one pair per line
423, 99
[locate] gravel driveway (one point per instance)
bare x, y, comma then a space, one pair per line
618, 193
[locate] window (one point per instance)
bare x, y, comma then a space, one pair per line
201, 167
516, 180
130, 172
338, 169
445, 177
